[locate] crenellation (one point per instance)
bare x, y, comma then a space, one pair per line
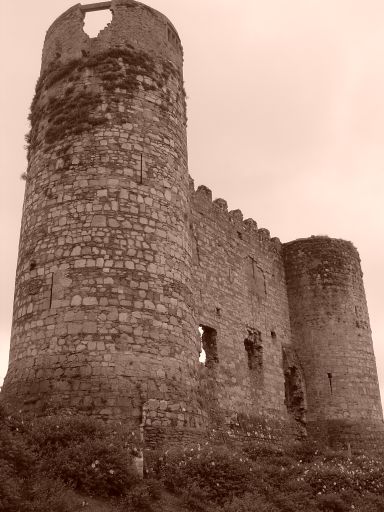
204, 193
236, 216
222, 204
126, 273
264, 234
250, 225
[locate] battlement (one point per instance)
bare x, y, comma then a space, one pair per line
246, 229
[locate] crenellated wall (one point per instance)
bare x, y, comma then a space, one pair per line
240, 293
121, 262
239, 287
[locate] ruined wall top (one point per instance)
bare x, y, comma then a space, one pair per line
133, 24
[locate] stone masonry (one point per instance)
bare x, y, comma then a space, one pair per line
121, 262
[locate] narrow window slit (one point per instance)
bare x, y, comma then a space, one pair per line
202, 354
51, 292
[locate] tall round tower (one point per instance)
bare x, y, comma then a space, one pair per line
332, 338
103, 318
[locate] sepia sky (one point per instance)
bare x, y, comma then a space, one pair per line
285, 120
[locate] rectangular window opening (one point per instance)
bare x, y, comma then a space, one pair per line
254, 348
208, 346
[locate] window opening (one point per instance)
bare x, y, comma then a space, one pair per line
172, 36
330, 381
96, 21
254, 348
293, 387
208, 352
51, 292
202, 355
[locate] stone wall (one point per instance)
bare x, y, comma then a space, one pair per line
121, 262
103, 317
240, 293
332, 336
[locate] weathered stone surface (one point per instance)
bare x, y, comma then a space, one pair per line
121, 261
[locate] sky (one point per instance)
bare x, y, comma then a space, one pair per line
285, 120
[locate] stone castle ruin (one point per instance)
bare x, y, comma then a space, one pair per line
121, 262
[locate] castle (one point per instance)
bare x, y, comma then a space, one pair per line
121, 262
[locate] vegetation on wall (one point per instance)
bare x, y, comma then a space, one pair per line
71, 109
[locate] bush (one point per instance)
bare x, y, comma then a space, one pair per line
332, 503
41, 460
84, 453
218, 472
250, 503
48, 495
369, 503
142, 497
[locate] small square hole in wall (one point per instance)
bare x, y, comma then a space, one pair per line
273, 335
218, 312
32, 265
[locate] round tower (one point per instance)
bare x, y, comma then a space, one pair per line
332, 338
102, 316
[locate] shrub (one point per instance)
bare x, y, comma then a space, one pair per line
11, 488
48, 495
41, 460
142, 497
369, 503
250, 503
218, 472
332, 503
85, 454
305, 451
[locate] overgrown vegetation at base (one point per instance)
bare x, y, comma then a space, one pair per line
65, 463
44, 460
261, 478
